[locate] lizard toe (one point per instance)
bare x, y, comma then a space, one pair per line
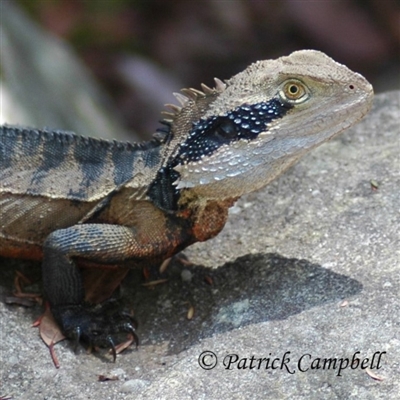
93, 326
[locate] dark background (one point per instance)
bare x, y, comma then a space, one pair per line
141, 51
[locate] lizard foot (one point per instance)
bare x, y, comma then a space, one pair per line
96, 325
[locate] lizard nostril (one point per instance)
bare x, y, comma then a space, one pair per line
351, 87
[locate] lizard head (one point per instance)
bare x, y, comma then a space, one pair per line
239, 136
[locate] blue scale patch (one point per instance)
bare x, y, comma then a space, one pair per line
245, 122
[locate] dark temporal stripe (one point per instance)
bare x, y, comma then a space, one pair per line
245, 122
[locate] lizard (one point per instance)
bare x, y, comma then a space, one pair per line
68, 200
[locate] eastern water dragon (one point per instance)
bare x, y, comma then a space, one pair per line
69, 200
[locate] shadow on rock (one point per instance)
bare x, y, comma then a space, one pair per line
252, 289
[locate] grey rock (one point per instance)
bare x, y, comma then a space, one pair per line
134, 386
186, 275
306, 270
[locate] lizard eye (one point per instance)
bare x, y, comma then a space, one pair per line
293, 91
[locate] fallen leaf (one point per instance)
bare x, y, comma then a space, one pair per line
164, 265
119, 348
154, 283
53, 355
373, 375
101, 281
49, 330
20, 301
20, 281
190, 313
374, 185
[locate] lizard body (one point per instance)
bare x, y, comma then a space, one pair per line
66, 199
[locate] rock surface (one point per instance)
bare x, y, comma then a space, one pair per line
305, 270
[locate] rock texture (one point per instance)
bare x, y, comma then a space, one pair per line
306, 271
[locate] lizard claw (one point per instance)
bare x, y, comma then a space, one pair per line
76, 336
96, 325
131, 330
112, 345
